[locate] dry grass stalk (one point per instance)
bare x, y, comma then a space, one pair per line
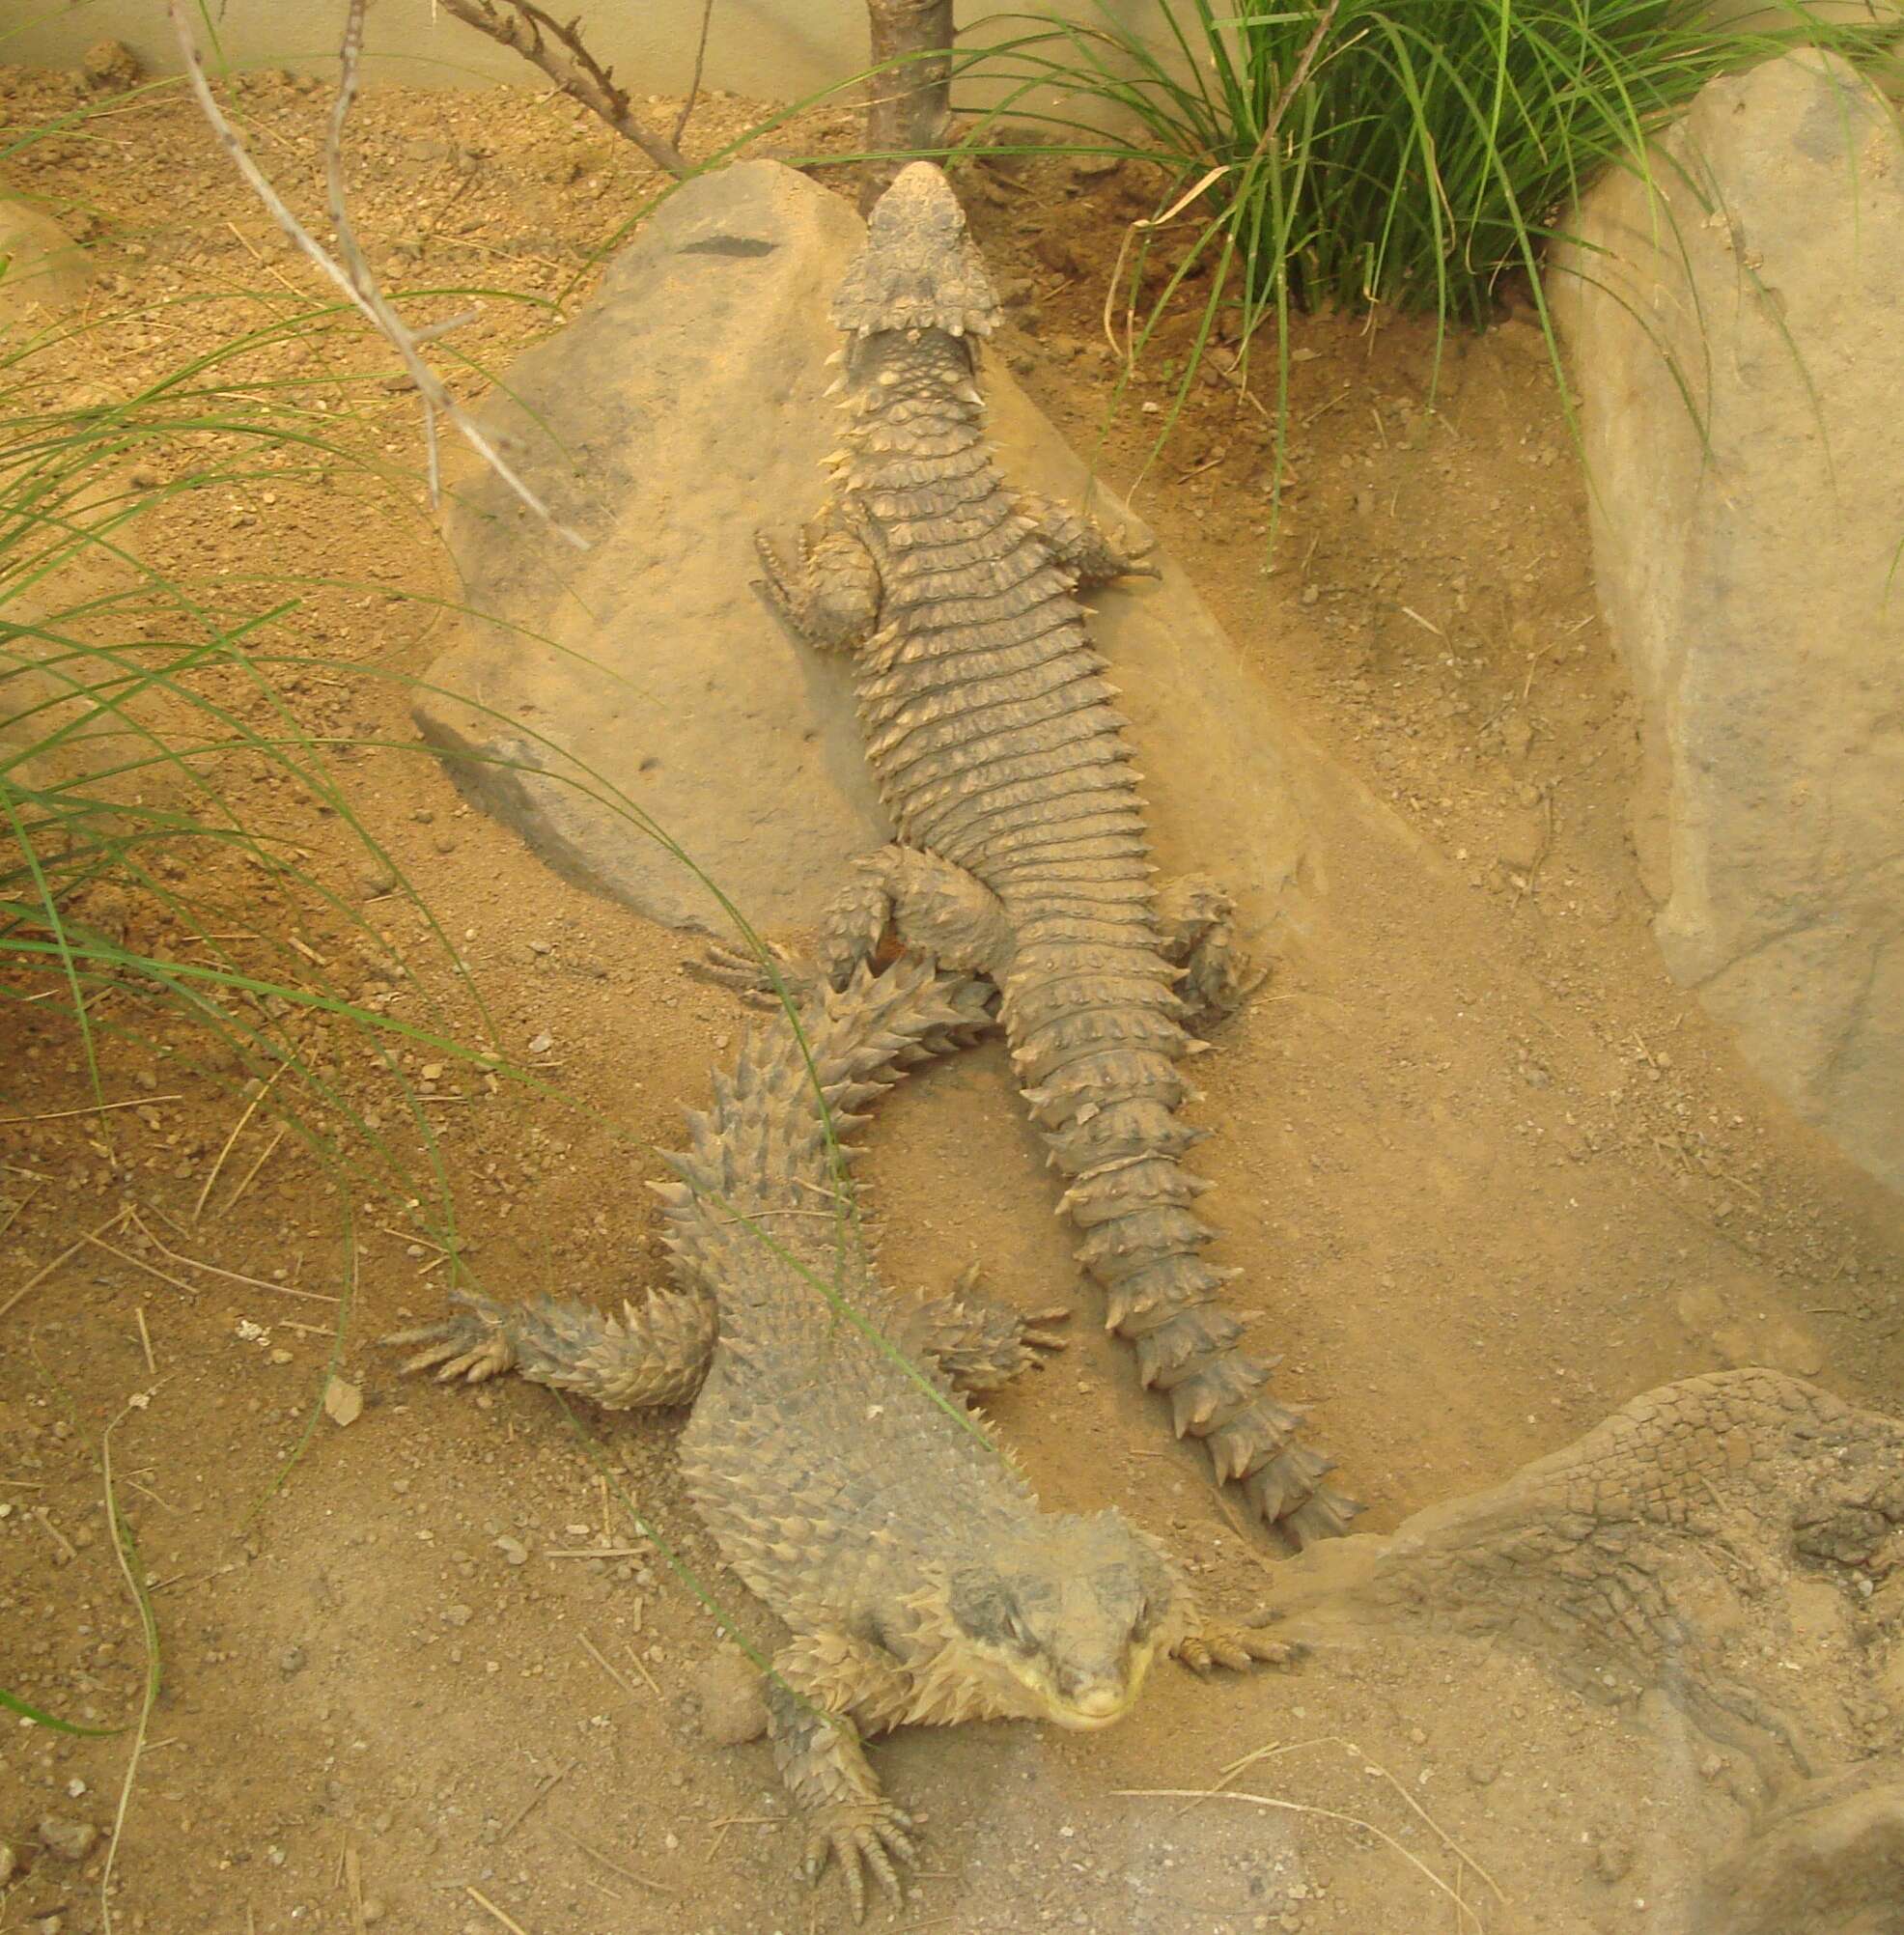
353, 276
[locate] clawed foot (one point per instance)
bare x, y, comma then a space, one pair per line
775, 584
743, 972
1036, 1336
1030, 1331
1134, 557
473, 1345
864, 1835
1215, 1642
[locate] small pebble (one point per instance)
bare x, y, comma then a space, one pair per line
69, 1840
733, 1711
513, 1551
110, 64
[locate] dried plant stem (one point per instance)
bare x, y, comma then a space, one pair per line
356, 281
694, 80
238, 1130
1298, 74
1269, 1801
528, 31
132, 1570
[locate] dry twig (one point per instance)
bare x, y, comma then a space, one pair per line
72, 1249
482, 1901
210, 1269
359, 286
614, 1866
528, 31
1382, 1835
238, 1130
124, 1552
534, 1799
91, 1108
694, 80
250, 1175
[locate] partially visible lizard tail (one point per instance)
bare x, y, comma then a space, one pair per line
1132, 1199
766, 1148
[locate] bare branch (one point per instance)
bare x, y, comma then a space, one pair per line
356, 281
570, 65
694, 84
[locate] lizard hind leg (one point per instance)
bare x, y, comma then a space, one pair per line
1196, 926
926, 904
1082, 546
899, 894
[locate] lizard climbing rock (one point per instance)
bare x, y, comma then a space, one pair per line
830, 1449
1022, 851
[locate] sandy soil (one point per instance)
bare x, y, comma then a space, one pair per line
1488, 1174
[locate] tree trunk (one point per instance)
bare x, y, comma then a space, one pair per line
909, 108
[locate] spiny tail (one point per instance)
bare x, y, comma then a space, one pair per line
766, 1145
762, 1147
1109, 1117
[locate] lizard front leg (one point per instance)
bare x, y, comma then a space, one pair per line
976, 1342
653, 1354
832, 598
1187, 1633
1082, 546
826, 1689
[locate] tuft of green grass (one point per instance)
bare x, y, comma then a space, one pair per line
1405, 152
1416, 154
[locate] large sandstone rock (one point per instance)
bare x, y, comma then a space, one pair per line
681, 413
1751, 584
43, 273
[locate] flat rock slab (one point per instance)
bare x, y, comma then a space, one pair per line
43, 273
638, 703
1753, 580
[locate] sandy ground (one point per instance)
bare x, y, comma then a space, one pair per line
1487, 1171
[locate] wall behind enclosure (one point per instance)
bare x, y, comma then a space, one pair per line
772, 49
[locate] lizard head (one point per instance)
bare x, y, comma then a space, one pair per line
919, 270
1069, 1612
